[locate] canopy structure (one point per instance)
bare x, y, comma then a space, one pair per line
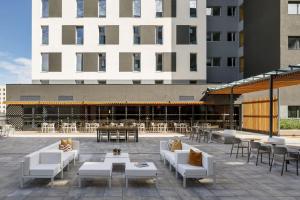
283, 77
279, 78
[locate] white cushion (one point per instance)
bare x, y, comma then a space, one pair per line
67, 157
132, 170
188, 170
170, 156
229, 132
45, 170
30, 161
163, 152
95, 169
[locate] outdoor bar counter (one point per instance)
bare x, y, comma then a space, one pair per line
126, 129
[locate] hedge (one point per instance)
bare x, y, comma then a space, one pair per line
290, 124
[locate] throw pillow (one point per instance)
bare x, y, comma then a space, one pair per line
176, 145
63, 142
195, 158
70, 142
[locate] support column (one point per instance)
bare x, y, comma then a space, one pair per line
271, 105
231, 110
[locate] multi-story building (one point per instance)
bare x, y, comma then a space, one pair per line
224, 52
119, 41
272, 35
2, 99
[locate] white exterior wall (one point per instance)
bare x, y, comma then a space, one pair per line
2, 99
148, 72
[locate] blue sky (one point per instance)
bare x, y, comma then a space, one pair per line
15, 41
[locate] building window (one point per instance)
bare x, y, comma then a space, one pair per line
294, 8
213, 36
159, 8
231, 11
231, 61
193, 35
294, 42
79, 62
231, 36
101, 35
136, 35
45, 62
159, 82
193, 82
45, 35
193, 62
102, 8
293, 111
79, 82
159, 34
136, 5
136, 62
213, 11
45, 82
136, 82
45, 8
193, 8
159, 62
102, 62
102, 82
80, 8
65, 98
213, 62
79, 35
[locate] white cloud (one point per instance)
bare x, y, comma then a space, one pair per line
15, 70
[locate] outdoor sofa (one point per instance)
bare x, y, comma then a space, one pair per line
47, 162
179, 161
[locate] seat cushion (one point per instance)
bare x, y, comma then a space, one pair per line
67, 157
95, 169
191, 171
170, 156
132, 170
45, 170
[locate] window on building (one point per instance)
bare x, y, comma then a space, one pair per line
213, 36
213, 11
79, 82
193, 8
45, 8
231, 61
193, 34
102, 82
293, 111
136, 62
294, 8
101, 34
231, 36
159, 8
79, 35
102, 8
65, 98
159, 82
80, 8
45, 82
159, 62
213, 62
136, 5
79, 62
231, 11
45, 35
159, 34
102, 62
136, 82
193, 82
193, 62
136, 35
45, 62
294, 42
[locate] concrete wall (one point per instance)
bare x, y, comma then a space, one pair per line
262, 36
148, 70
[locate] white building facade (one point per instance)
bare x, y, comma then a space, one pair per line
118, 41
2, 99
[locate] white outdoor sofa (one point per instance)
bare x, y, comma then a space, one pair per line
47, 162
179, 161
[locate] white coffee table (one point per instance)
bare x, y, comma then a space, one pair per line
132, 171
117, 160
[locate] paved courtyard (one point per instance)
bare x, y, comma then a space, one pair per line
236, 179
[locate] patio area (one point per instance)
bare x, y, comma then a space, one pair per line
236, 179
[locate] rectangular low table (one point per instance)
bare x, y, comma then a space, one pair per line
95, 170
117, 160
132, 171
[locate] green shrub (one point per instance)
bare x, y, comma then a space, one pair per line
289, 124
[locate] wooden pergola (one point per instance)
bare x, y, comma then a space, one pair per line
283, 77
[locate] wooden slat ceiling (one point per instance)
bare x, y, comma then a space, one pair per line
281, 80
